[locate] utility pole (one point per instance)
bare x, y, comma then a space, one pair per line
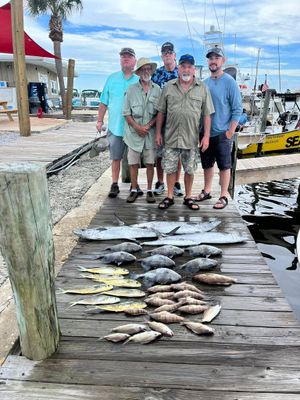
20, 66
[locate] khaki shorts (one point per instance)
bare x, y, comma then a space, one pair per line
189, 159
134, 157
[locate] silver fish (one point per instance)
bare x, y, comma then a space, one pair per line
159, 275
130, 247
211, 313
204, 250
197, 238
115, 233
199, 264
168, 251
160, 327
156, 261
117, 257
130, 328
116, 337
198, 328
166, 227
144, 337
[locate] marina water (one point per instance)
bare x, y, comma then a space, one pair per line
272, 213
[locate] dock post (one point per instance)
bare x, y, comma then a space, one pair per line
71, 67
27, 246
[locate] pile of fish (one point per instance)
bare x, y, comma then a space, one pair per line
160, 294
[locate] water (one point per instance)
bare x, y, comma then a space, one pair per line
272, 213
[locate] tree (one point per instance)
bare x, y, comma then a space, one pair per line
59, 10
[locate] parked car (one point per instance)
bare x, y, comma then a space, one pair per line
90, 97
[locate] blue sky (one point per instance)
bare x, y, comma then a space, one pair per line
94, 37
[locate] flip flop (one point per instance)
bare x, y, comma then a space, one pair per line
190, 203
202, 196
165, 203
223, 201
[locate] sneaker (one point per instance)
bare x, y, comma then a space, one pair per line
114, 190
150, 197
159, 188
177, 189
139, 190
133, 195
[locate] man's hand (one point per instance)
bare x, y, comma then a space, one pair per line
204, 143
142, 130
158, 139
229, 134
99, 126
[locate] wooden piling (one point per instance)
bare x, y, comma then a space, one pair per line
71, 67
27, 247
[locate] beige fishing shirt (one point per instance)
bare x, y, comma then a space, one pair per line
143, 108
183, 112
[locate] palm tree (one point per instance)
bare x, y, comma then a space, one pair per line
59, 10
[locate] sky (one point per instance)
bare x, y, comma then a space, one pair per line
256, 33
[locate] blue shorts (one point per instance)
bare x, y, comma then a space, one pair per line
219, 150
116, 146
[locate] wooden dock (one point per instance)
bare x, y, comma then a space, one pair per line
254, 353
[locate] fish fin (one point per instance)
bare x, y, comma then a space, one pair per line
119, 220
172, 232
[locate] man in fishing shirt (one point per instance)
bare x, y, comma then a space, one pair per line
181, 105
227, 101
112, 99
140, 109
161, 76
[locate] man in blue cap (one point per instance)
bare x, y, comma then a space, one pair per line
182, 103
161, 77
227, 101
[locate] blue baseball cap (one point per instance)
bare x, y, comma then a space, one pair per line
186, 58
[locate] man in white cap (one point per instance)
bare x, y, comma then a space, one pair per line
112, 99
140, 109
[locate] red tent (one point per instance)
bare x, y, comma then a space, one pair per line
6, 45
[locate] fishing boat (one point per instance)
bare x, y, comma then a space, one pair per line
282, 130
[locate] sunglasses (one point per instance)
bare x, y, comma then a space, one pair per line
164, 53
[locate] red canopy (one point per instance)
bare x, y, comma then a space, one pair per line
6, 45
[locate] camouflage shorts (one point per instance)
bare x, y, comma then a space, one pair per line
189, 159
160, 151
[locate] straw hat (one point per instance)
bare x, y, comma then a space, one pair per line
145, 61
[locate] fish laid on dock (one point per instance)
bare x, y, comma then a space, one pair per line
130, 329
120, 292
168, 251
211, 313
156, 261
204, 250
115, 233
196, 239
199, 264
198, 328
165, 227
113, 280
97, 300
159, 275
121, 307
117, 257
144, 337
160, 327
105, 270
130, 247
214, 279
116, 337
86, 289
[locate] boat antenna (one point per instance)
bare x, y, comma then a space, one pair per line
255, 83
188, 25
279, 75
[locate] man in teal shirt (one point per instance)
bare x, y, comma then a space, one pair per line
112, 99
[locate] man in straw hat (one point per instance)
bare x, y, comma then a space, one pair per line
112, 99
140, 111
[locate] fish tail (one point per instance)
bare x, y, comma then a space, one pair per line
60, 291
80, 268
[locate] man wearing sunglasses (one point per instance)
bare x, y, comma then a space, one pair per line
161, 76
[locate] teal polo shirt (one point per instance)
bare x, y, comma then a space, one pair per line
112, 96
